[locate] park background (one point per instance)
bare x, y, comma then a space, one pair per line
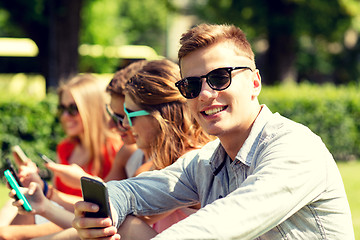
308, 53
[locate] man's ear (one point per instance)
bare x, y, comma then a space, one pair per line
256, 83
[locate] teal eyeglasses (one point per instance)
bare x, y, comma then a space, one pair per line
130, 114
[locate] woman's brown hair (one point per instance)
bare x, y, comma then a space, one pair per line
117, 84
153, 89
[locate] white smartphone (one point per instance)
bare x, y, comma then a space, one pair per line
45, 158
20, 153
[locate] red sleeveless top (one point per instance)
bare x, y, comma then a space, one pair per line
64, 150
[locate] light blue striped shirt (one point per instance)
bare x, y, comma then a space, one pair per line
283, 184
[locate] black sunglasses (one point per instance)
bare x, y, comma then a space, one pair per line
71, 109
117, 118
218, 79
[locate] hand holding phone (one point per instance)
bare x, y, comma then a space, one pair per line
19, 155
14, 185
95, 191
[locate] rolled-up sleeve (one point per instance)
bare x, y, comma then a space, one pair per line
155, 191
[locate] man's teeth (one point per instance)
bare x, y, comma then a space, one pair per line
214, 110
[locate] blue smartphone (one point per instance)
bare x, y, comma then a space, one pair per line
14, 185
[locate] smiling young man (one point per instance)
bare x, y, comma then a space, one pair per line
265, 177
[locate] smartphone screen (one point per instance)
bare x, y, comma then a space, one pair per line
14, 185
45, 158
96, 192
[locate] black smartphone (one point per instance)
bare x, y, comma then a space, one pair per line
10, 166
45, 158
95, 191
14, 185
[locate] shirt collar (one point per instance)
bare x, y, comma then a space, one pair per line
218, 156
246, 152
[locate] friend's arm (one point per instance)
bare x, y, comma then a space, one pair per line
28, 231
43, 206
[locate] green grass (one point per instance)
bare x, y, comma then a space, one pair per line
350, 174
4, 192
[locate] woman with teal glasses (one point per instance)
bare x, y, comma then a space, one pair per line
163, 129
152, 101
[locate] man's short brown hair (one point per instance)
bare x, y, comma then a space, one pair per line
205, 35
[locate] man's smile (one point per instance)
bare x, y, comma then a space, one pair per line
213, 111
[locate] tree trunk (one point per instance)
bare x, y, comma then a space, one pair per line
55, 31
280, 60
280, 57
64, 17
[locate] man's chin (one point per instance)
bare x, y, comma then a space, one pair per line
214, 130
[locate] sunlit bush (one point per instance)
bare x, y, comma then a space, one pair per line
31, 124
331, 112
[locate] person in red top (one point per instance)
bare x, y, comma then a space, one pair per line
90, 143
126, 162
89, 148
64, 150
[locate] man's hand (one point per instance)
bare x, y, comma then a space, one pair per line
92, 228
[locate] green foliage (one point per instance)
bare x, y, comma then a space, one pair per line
6, 27
101, 25
32, 125
349, 172
331, 112
22, 87
116, 23
20, 14
99, 64
320, 46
